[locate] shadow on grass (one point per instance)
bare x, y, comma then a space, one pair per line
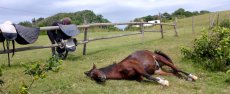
72, 57
97, 51
146, 82
149, 82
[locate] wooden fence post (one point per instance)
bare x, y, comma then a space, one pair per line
210, 21
218, 18
162, 35
7, 43
175, 28
160, 17
161, 26
142, 32
85, 39
192, 24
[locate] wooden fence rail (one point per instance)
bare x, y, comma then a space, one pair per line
104, 24
115, 36
32, 48
86, 40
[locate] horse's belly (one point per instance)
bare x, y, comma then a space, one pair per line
149, 68
150, 71
128, 73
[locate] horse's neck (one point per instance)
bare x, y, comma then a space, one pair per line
110, 71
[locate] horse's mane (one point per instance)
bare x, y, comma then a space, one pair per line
108, 68
163, 54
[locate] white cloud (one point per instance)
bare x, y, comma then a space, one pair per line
75, 3
142, 4
149, 4
114, 10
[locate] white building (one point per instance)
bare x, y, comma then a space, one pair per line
153, 21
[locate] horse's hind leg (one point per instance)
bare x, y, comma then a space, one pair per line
176, 70
166, 73
161, 72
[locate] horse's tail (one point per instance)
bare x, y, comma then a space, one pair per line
163, 54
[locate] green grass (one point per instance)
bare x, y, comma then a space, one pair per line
71, 78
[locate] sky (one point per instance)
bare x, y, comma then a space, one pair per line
114, 10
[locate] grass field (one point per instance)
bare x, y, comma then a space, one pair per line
71, 78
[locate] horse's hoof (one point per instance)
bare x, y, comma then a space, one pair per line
166, 83
193, 77
189, 79
163, 82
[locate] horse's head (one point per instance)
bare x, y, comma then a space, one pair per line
66, 21
96, 74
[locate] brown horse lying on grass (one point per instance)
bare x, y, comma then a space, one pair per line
139, 64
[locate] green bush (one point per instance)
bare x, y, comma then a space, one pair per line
225, 23
211, 50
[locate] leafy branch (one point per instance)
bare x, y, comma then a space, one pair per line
38, 71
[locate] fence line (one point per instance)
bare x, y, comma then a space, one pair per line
33, 48
104, 24
86, 40
111, 37
175, 28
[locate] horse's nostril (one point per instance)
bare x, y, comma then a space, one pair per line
103, 79
100, 79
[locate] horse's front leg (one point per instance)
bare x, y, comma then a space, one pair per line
66, 53
51, 34
157, 79
141, 71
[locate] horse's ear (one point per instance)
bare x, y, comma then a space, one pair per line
94, 66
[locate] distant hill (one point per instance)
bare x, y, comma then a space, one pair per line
167, 17
77, 18
179, 13
201, 21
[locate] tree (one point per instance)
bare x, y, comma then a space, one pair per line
156, 17
25, 23
148, 18
195, 13
167, 16
39, 19
188, 14
137, 20
77, 18
204, 11
179, 11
